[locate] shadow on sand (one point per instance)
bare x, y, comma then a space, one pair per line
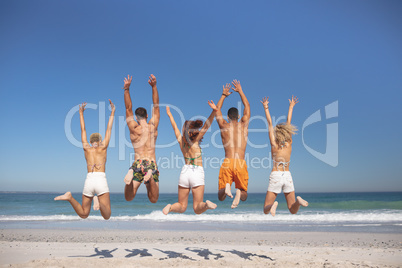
99, 253
205, 253
247, 256
173, 255
142, 252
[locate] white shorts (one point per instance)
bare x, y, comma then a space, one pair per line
95, 184
191, 176
280, 180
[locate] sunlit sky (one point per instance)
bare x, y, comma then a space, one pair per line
55, 55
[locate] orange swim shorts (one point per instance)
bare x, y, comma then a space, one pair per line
233, 170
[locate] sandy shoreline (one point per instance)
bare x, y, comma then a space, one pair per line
122, 248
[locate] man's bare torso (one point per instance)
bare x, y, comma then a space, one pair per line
143, 138
234, 139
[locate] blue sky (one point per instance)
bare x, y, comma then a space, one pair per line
57, 54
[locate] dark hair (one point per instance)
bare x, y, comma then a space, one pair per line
233, 113
192, 129
141, 113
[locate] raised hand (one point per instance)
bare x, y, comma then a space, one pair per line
212, 105
112, 106
152, 80
293, 101
236, 86
226, 89
265, 102
127, 82
82, 107
168, 111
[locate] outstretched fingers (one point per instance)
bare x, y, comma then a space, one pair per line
212, 105
265, 101
152, 80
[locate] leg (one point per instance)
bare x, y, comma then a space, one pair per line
293, 203
129, 176
270, 204
152, 190
104, 204
181, 205
243, 196
198, 197
130, 190
223, 192
82, 211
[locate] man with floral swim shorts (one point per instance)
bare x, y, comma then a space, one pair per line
143, 136
234, 135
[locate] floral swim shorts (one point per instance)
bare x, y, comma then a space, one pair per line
141, 168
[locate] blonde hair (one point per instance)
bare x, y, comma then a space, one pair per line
283, 133
95, 137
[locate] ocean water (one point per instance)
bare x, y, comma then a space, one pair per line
355, 212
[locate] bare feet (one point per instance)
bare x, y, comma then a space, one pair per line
166, 210
302, 202
147, 176
129, 176
65, 196
228, 191
273, 208
236, 199
210, 205
96, 203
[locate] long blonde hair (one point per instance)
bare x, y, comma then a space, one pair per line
283, 133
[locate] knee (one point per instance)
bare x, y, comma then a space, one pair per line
153, 199
129, 198
196, 211
243, 196
183, 208
106, 217
221, 196
291, 211
84, 216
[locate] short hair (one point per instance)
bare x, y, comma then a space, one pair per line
233, 113
141, 113
95, 137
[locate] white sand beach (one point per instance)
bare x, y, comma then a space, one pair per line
121, 248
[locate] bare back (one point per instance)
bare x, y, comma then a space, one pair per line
143, 137
281, 156
192, 154
234, 138
96, 158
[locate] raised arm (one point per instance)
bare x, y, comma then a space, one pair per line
84, 139
292, 103
127, 101
207, 123
269, 119
219, 116
155, 99
246, 114
174, 125
109, 126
